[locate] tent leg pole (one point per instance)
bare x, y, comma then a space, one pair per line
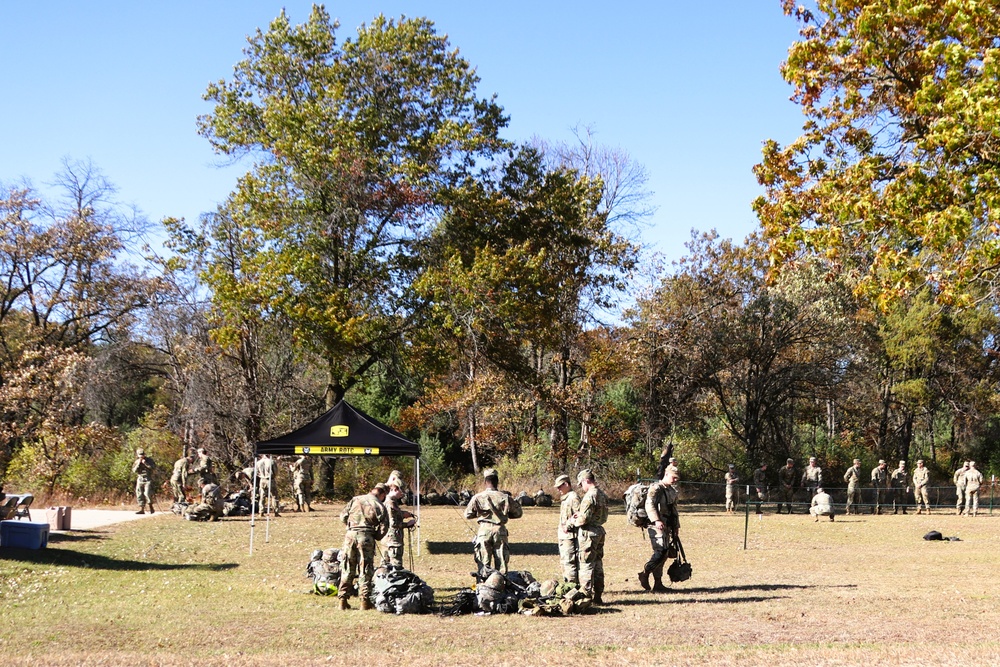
417, 461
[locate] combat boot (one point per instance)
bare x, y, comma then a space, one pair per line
366, 604
342, 604
644, 580
142, 510
658, 586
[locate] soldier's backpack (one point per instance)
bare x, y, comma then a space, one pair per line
635, 504
514, 510
525, 500
402, 592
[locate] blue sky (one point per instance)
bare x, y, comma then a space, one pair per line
690, 90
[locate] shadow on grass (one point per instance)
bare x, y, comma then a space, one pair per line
76, 536
70, 558
516, 549
659, 599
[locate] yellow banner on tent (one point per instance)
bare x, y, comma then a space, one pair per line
342, 451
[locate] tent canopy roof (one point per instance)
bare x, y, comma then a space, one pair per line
344, 430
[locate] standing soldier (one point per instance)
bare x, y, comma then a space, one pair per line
732, 479
589, 522
880, 479
812, 477
973, 480
959, 479
178, 479
760, 484
301, 470
399, 520
853, 479
898, 483
267, 485
921, 476
569, 557
204, 468
492, 508
367, 523
786, 485
143, 468
661, 508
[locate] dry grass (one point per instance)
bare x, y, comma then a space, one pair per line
169, 592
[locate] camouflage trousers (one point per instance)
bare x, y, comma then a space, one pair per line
303, 496
730, 498
879, 499
392, 554
357, 558
787, 496
960, 498
853, 498
142, 491
920, 496
591, 545
178, 489
491, 546
267, 495
898, 499
971, 501
569, 559
661, 543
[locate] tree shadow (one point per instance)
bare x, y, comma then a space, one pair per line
77, 536
69, 558
655, 599
516, 549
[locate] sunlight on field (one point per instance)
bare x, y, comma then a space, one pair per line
170, 592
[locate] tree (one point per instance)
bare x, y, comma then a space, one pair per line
896, 177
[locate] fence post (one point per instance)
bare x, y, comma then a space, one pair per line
746, 518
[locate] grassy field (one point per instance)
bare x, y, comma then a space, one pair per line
164, 591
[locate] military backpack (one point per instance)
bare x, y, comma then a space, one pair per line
635, 504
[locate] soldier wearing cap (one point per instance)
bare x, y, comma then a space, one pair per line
399, 520
853, 479
812, 477
880, 481
786, 485
973, 480
566, 534
178, 479
732, 479
204, 467
959, 479
143, 468
899, 483
301, 469
367, 522
921, 477
760, 484
492, 508
589, 521
661, 508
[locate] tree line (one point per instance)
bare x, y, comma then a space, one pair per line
387, 243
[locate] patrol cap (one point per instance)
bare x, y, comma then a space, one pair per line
881, 462
812, 458
789, 460
819, 489
586, 473
920, 461
395, 479
561, 479
140, 452
671, 460
902, 463
857, 460
731, 465
490, 472
381, 487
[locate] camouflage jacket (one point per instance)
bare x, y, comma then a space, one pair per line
921, 476
787, 477
394, 535
853, 477
899, 479
568, 506
144, 467
812, 475
301, 469
959, 477
760, 478
180, 471
973, 479
732, 479
661, 505
366, 513
489, 506
880, 476
593, 511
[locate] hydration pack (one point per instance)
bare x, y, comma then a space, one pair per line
635, 504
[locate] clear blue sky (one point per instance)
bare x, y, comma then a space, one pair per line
690, 90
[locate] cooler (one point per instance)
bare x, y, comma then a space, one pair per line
24, 534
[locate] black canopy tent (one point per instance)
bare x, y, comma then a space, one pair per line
343, 430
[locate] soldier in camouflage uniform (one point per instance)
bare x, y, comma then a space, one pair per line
399, 520
899, 483
853, 479
178, 479
367, 522
143, 468
732, 479
301, 470
880, 480
921, 476
959, 479
491, 509
973, 480
589, 522
267, 485
812, 477
786, 485
204, 467
661, 508
760, 484
569, 557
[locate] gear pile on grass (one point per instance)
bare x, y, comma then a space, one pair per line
518, 592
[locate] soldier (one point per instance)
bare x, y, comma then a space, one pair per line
143, 468
178, 479
812, 477
973, 480
732, 479
672, 465
898, 482
210, 506
399, 520
821, 505
921, 476
661, 508
760, 484
267, 485
880, 478
589, 521
367, 522
301, 470
204, 468
853, 479
491, 509
569, 557
786, 485
959, 479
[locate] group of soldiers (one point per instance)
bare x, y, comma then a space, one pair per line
888, 486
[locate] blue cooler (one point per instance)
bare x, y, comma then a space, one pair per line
24, 534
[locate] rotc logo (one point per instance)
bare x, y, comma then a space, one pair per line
305, 450
339, 431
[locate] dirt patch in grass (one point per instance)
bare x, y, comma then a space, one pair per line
170, 592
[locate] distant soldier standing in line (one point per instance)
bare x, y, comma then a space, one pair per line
566, 534
898, 482
959, 479
812, 477
399, 520
664, 526
786, 485
589, 522
178, 479
973, 480
732, 479
267, 485
143, 468
760, 484
880, 480
921, 476
301, 470
367, 522
853, 479
492, 508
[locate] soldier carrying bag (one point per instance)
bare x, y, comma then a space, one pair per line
680, 569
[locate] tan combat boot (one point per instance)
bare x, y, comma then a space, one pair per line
366, 604
342, 604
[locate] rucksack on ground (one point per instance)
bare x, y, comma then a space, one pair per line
635, 504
